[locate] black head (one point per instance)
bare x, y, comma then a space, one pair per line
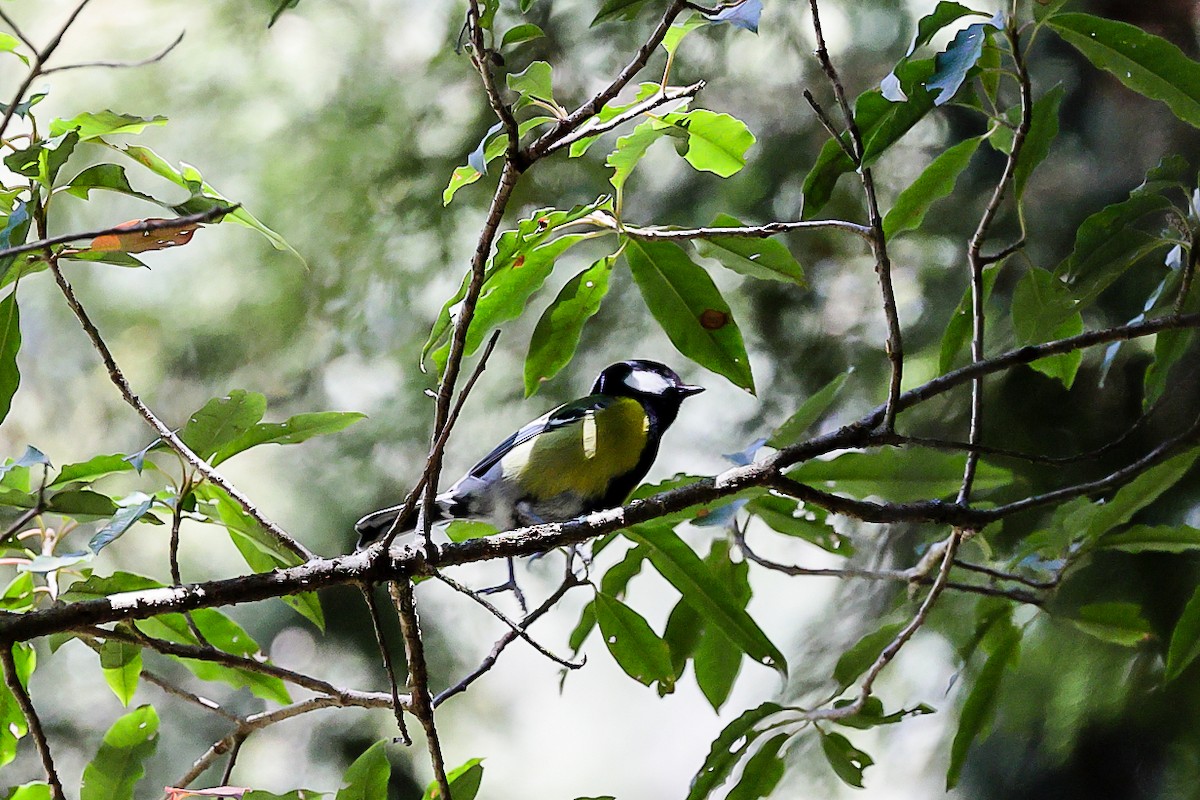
655, 385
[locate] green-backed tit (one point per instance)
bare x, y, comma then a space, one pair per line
583, 456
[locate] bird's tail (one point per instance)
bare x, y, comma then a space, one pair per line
374, 526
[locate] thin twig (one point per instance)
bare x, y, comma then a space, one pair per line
883, 263
166, 433
35, 69
481, 59
829, 127
385, 654
1004, 576
977, 263
184, 694
517, 628
508, 638
668, 95
657, 233
17, 31
154, 59
21, 695
238, 741
418, 677
145, 226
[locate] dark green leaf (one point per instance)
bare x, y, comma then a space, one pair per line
872, 714
686, 303
12, 719
1154, 539
103, 176
762, 772
118, 765
90, 470
728, 748
617, 577
717, 660
696, 582
1147, 64
784, 515
958, 330
618, 10
137, 506
81, 504
756, 258
586, 624
1169, 348
222, 420
952, 64
296, 429
980, 704
464, 782
42, 160
1043, 309
1185, 640
1043, 131
634, 646
809, 412
881, 122
367, 777
848, 761
10, 345
12, 234
557, 333
1136, 495
1119, 623
122, 664
855, 661
682, 635
936, 182
898, 475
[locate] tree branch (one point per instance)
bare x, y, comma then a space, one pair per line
21, 695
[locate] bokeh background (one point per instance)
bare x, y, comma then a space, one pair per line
339, 127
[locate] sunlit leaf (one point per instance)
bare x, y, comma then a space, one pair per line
520, 34
296, 429
367, 778
119, 764
103, 176
121, 663
92, 469
91, 125
533, 84
464, 781
757, 258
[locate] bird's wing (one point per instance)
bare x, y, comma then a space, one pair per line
566, 414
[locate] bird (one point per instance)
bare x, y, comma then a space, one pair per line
583, 456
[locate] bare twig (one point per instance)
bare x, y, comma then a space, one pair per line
657, 233
238, 741
516, 628
1004, 576
17, 31
481, 59
829, 127
184, 694
146, 226
39, 61
385, 654
21, 695
510, 636
977, 263
166, 433
418, 677
883, 263
668, 95
145, 62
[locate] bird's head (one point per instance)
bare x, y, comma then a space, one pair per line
650, 382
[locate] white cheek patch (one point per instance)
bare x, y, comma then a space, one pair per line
647, 382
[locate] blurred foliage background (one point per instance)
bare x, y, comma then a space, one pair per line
339, 127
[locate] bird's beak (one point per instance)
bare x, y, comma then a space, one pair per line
688, 391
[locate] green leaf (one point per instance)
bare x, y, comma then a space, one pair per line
727, 749
12, 719
296, 429
10, 345
872, 715
881, 123
716, 143
898, 475
762, 772
980, 705
30, 791
1118, 623
700, 588
935, 182
682, 635
260, 550
677, 31
1137, 494
1043, 309
14, 233
521, 33
952, 64
1154, 539
1147, 64
686, 303
1043, 130
557, 333
93, 469
958, 330
636, 648
42, 160
222, 420
532, 84
1185, 639
766, 259
785, 515
847, 761
103, 176
855, 661
1169, 348
133, 508
717, 660
18, 596
612, 10
81, 504
464, 782
122, 664
460, 530
586, 624
118, 765
94, 125
367, 778
630, 149
462, 176
945, 13
809, 412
